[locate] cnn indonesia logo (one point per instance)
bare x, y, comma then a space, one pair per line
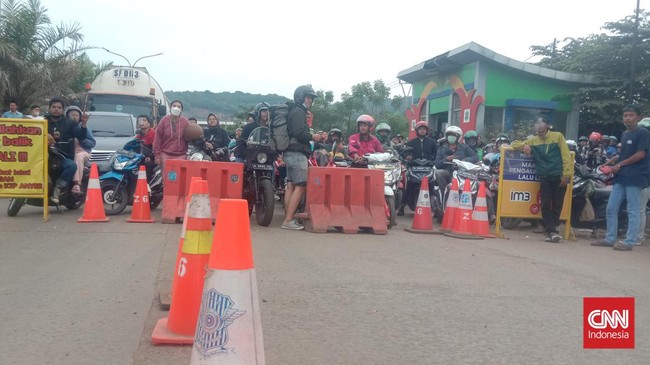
608, 323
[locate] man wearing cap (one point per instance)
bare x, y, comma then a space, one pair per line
554, 166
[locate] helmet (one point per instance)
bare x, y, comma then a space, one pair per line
605, 137
365, 118
454, 130
422, 123
71, 108
645, 122
471, 134
613, 139
572, 144
595, 136
501, 140
583, 139
192, 131
259, 107
301, 92
383, 127
334, 131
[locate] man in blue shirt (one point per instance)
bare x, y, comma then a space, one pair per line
13, 111
631, 170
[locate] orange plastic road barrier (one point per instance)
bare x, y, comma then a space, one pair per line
141, 212
229, 330
422, 220
463, 217
346, 199
225, 180
451, 208
94, 205
481, 226
180, 326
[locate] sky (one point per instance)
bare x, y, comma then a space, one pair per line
271, 47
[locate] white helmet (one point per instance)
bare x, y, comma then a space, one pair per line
455, 130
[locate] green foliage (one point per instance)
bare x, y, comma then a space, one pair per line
199, 104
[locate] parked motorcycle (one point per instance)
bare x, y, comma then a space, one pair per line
118, 185
196, 151
476, 174
55, 167
392, 167
259, 173
416, 171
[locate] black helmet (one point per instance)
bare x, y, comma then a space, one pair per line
301, 92
259, 107
334, 131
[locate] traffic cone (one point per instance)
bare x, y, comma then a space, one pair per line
451, 208
422, 222
229, 330
463, 218
94, 205
480, 215
141, 212
180, 326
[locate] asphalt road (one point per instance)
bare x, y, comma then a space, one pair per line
75, 293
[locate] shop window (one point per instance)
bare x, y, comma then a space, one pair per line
492, 122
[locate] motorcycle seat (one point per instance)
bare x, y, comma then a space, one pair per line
602, 194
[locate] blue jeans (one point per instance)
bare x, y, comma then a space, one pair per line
620, 192
67, 172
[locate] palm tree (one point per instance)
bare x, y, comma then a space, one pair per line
37, 59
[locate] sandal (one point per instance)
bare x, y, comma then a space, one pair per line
76, 188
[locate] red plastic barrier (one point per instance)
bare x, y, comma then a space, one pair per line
346, 199
225, 181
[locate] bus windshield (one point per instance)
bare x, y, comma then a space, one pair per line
134, 105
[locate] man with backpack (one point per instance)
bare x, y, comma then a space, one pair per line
295, 154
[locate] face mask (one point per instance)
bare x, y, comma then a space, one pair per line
176, 111
452, 139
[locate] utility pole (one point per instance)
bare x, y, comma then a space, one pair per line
633, 57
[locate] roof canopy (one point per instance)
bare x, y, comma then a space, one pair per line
472, 52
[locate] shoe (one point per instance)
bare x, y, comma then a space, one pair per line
547, 237
601, 243
56, 194
620, 246
555, 237
292, 225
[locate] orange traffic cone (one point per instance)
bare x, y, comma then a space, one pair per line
463, 218
422, 222
450, 208
94, 205
229, 329
141, 212
480, 215
180, 326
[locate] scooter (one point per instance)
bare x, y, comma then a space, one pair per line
67, 198
392, 167
118, 185
476, 174
416, 171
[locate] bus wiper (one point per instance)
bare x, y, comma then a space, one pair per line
100, 131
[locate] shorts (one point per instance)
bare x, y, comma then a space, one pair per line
296, 168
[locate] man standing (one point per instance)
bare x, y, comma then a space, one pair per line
13, 111
295, 157
554, 166
630, 177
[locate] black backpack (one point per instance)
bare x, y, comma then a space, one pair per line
278, 128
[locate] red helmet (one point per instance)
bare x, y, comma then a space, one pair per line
595, 136
422, 123
365, 118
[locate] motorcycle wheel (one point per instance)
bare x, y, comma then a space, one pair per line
390, 201
115, 201
153, 204
14, 206
264, 208
510, 223
76, 202
399, 198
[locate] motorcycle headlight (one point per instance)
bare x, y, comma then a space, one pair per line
119, 165
198, 156
262, 157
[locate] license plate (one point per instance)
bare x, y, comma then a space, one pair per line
263, 167
384, 166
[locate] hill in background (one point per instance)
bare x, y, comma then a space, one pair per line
226, 105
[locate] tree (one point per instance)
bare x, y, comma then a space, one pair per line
37, 59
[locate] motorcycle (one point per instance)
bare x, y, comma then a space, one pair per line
416, 171
259, 173
196, 151
55, 167
476, 174
392, 167
118, 185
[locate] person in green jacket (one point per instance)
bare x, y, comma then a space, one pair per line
554, 166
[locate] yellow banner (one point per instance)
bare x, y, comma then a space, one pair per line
23, 158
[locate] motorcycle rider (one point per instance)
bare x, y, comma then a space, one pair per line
583, 147
334, 144
215, 136
573, 146
471, 139
595, 155
452, 150
424, 147
195, 138
82, 149
363, 142
383, 135
63, 131
260, 119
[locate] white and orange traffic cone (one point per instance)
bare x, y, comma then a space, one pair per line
422, 221
180, 326
451, 208
229, 330
94, 205
141, 212
463, 218
480, 215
